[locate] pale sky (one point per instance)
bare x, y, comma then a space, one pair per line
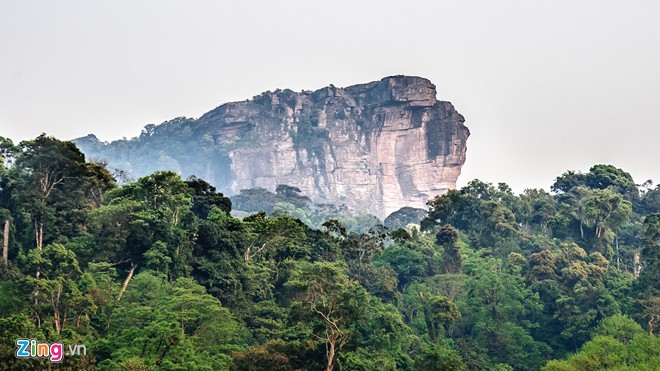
545, 86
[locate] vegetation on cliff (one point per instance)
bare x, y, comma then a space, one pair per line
157, 274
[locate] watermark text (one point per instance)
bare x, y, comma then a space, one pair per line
54, 352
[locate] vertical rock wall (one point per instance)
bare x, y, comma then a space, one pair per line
375, 147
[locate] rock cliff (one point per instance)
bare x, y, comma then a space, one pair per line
374, 147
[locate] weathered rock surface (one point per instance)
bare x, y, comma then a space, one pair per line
374, 147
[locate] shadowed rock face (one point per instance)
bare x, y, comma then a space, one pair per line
374, 147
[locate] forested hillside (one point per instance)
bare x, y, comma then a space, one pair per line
157, 274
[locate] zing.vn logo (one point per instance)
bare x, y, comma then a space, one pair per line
29, 348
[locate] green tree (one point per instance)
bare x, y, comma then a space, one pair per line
625, 347
619, 327
52, 188
58, 299
452, 261
170, 325
326, 296
156, 208
537, 209
650, 202
219, 258
646, 285
438, 357
275, 238
439, 312
204, 196
605, 211
568, 181
409, 261
608, 176
499, 312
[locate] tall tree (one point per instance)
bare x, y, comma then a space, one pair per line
45, 165
325, 295
52, 188
156, 208
605, 211
607, 176
439, 312
452, 261
646, 284
5, 243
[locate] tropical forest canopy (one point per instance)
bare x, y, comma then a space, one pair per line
157, 274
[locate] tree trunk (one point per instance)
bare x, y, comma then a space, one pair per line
36, 234
581, 231
651, 320
183, 327
5, 244
247, 252
637, 267
331, 354
41, 236
40, 243
616, 239
56, 311
127, 280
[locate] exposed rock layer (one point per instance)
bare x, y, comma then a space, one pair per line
375, 147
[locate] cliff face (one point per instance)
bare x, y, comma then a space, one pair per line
374, 147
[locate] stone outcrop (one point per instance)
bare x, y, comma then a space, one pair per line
374, 147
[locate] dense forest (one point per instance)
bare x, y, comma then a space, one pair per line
158, 274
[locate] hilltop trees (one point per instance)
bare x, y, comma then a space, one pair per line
52, 186
579, 281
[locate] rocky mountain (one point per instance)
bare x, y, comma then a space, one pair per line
375, 147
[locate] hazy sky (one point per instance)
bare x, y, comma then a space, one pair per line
544, 86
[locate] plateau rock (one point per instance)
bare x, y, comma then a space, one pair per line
375, 147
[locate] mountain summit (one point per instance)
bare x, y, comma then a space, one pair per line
374, 147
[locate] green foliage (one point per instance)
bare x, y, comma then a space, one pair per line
641, 352
650, 256
619, 327
598, 177
437, 357
163, 323
407, 261
650, 202
439, 312
157, 274
205, 197
326, 299
452, 261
